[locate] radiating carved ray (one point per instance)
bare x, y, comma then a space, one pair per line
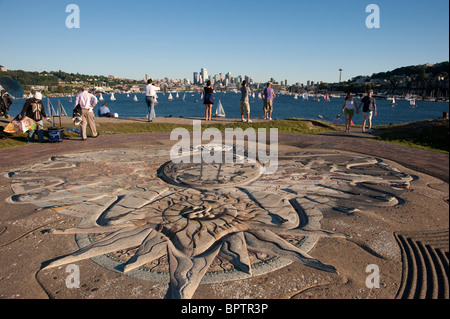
153, 247
186, 272
118, 240
268, 242
234, 249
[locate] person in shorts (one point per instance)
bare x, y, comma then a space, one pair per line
268, 97
369, 110
349, 110
245, 104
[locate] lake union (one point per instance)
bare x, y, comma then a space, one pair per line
285, 107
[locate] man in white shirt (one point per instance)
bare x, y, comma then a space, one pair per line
150, 93
87, 102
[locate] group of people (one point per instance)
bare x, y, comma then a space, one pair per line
85, 103
369, 108
209, 99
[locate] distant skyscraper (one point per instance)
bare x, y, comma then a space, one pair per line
204, 73
196, 78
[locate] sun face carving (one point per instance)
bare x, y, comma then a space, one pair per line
125, 206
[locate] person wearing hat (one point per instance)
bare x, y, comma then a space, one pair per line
34, 109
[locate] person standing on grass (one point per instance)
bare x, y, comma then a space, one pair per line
150, 98
87, 102
349, 110
245, 104
268, 97
369, 110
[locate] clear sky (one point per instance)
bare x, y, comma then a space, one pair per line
286, 39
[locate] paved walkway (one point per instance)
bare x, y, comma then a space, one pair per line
432, 163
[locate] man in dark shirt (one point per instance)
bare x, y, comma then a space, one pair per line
34, 109
369, 110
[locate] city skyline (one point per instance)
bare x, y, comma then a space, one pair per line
303, 41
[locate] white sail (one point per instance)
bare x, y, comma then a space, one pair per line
220, 112
412, 102
113, 98
177, 96
296, 96
101, 98
135, 98
305, 96
170, 97
184, 96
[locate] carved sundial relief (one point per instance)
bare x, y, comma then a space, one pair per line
154, 219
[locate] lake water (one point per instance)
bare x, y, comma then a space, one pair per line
285, 107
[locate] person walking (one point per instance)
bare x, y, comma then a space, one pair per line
150, 98
34, 109
369, 110
268, 97
87, 102
245, 104
348, 109
208, 99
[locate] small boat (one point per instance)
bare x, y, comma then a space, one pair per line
412, 103
296, 97
184, 97
101, 98
113, 98
135, 98
393, 102
305, 96
170, 98
220, 112
177, 96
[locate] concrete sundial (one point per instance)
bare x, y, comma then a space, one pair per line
157, 220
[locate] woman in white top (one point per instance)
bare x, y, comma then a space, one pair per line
349, 110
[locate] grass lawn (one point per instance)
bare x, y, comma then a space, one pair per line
429, 134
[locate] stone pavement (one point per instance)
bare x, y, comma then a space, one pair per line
428, 162
357, 210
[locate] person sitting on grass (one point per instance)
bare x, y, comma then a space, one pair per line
104, 111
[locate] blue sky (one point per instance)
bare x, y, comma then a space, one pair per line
287, 39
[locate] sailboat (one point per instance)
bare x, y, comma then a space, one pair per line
113, 98
184, 96
296, 96
101, 98
170, 97
177, 96
326, 98
128, 95
135, 98
412, 103
220, 112
393, 102
305, 96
